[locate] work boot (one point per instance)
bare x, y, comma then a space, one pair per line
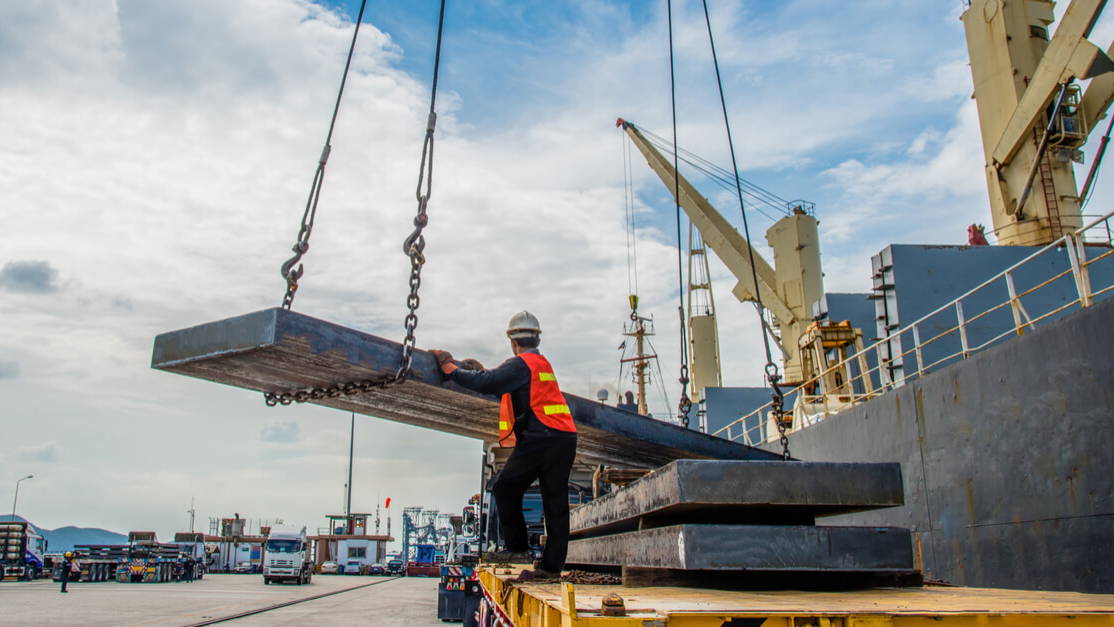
508, 557
539, 575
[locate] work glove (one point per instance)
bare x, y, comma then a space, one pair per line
444, 360
471, 364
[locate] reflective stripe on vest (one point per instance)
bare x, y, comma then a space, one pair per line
506, 422
546, 401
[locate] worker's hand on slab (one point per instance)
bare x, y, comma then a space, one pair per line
444, 361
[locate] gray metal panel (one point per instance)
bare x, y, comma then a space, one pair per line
276, 350
922, 278
698, 490
1007, 459
725, 405
752, 548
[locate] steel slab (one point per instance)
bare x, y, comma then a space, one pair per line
278, 350
770, 492
752, 548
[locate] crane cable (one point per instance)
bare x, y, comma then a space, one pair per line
628, 218
685, 403
301, 246
771, 369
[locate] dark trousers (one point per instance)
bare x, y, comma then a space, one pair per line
65, 576
549, 460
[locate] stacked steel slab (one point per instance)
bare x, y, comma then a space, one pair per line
276, 350
692, 520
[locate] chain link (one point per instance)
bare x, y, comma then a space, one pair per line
333, 391
778, 404
685, 404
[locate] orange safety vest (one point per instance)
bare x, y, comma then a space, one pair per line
546, 400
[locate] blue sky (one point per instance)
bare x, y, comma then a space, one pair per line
158, 155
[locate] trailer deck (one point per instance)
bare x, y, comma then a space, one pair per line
570, 605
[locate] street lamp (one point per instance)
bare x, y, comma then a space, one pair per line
16, 498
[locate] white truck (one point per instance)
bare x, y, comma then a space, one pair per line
287, 556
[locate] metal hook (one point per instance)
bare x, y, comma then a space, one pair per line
288, 272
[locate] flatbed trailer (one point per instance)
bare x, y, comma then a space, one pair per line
507, 602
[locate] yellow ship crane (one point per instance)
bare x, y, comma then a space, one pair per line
792, 289
1033, 114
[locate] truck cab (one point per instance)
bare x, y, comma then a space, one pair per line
287, 556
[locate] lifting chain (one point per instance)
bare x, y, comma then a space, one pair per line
778, 405
685, 404
413, 247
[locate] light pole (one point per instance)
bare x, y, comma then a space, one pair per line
16, 498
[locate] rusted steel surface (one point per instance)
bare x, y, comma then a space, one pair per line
277, 350
733, 492
800, 548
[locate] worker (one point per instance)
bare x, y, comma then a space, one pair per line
535, 419
68, 564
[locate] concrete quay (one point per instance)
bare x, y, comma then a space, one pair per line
404, 601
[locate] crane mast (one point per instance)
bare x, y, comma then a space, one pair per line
703, 330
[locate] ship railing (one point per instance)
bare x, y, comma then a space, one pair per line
901, 356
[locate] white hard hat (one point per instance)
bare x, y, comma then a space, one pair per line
523, 324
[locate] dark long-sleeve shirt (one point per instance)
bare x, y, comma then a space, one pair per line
511, 377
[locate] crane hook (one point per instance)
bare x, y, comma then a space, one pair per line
288, 271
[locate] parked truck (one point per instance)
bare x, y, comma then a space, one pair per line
287, 556
98, 562
192, 545
22, 550
150, 561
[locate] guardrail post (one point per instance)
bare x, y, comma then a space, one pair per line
917, 350
1015, 305
962, 327
1076, 255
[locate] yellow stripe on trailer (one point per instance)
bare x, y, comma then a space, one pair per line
569, 605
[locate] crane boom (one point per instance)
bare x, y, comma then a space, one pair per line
790, 289
731, 247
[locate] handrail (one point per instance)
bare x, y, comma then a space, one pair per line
1073, 244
